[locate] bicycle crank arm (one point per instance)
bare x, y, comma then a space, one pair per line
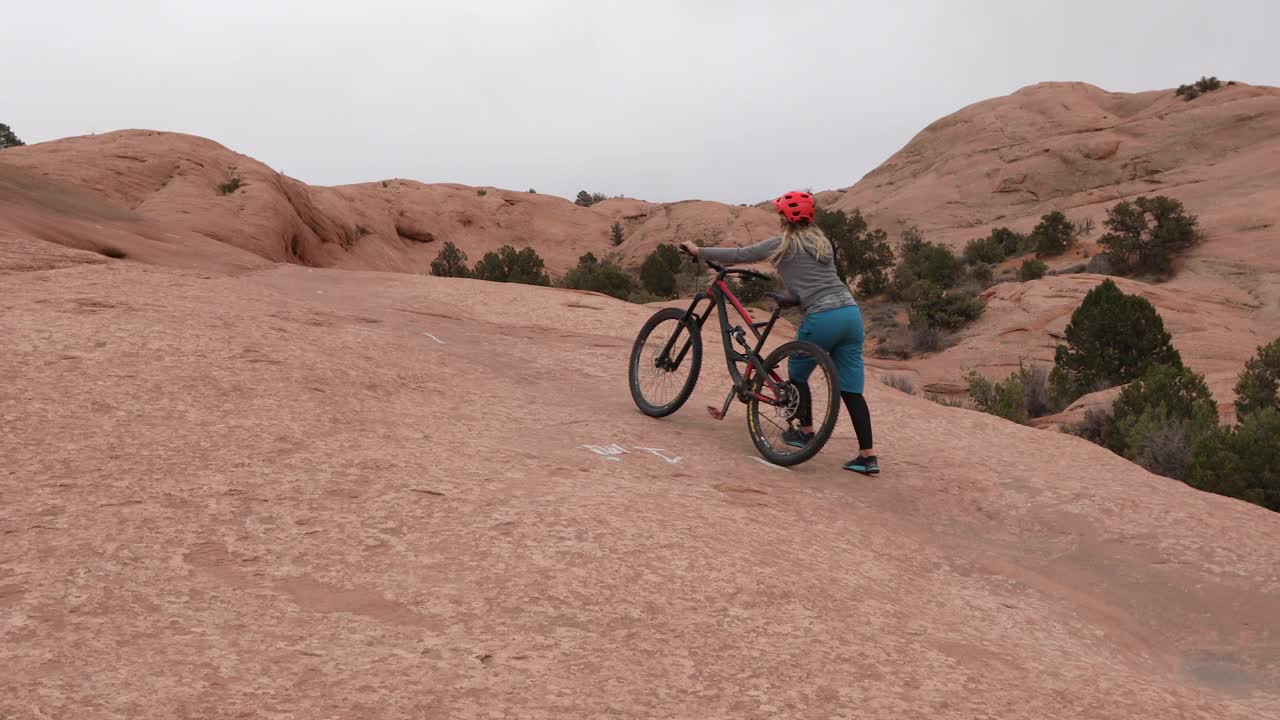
721, 412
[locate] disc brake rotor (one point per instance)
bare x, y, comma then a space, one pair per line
790, 402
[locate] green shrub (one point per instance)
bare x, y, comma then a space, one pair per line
1162, 444
1241, 462
1037, 393
230, 186
1032, 269
615, 234
986, 250
532, 191
1112, 338
871, 258
921, 260
1091, 427
894, 344
1198, 88
1003, 399
602, 277
450, 262
860, 254
934, 307
1259, 384
511, 265
1054, 235
1145, 234
902, 343
927, 340
1100, 265
982, 274
482, 192
1208, 84
7, 138
1022, 395
1166, 402
1010, 242
642, 297
659, 270
842, 229
586, 199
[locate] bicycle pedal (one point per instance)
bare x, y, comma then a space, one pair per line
714, 412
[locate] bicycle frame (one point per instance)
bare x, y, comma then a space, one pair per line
717, 293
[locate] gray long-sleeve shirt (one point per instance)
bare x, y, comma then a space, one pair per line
812, 281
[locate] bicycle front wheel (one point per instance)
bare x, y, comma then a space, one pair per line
665, 362
800, 387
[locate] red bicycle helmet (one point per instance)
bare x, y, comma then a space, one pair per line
796, 206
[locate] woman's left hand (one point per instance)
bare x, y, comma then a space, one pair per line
689, 248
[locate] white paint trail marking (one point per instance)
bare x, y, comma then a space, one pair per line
433, 337
659, 451
608, 451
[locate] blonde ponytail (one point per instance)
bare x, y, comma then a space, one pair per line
803, 236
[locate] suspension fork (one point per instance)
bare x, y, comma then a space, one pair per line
699, 320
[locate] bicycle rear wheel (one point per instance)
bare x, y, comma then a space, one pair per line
665, 362
780, 403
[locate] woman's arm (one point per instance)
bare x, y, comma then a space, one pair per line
750, 254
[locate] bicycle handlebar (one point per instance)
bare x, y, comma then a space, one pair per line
726, 270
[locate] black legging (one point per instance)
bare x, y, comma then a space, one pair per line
860, 414
855, 403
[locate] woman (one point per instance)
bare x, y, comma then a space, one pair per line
832, 320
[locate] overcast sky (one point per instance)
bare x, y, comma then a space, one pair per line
730, 101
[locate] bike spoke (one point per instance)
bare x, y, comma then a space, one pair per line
777, 402
661, 386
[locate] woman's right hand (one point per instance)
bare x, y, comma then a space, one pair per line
689, 248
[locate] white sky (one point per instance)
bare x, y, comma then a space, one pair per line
661, 100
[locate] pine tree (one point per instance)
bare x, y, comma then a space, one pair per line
1146, 233
509, 265
1259, 383
1112, 339
7, 138
602, 277
1054, 234
1242, 461
450, 262
1164, 395
659, 270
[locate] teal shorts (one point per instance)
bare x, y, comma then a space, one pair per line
839, 332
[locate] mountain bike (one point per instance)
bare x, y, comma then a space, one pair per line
795, 385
